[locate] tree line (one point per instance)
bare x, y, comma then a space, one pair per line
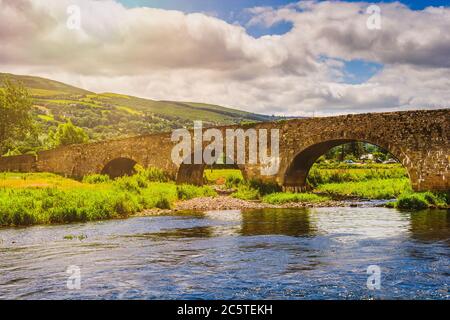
18, 129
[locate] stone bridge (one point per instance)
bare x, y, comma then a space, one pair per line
418, 139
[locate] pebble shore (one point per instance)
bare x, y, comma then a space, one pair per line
230, 203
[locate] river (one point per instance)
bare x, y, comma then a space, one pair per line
320, 253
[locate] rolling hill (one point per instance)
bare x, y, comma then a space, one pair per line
112, 115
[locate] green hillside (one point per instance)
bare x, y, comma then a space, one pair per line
111, 115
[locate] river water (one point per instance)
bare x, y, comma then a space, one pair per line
318, 253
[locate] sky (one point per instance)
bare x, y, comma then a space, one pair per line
267, 56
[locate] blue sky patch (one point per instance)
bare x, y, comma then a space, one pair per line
359, 71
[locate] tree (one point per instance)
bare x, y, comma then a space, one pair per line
67, 134
15, 114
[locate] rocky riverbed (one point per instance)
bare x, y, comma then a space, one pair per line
229, 203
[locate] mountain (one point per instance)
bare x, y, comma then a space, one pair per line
112, 115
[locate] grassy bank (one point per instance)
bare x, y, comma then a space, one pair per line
339, 181
369, 189
27, 199
421, 200
286, 197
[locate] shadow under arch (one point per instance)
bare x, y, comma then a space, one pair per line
294, 177
119, 167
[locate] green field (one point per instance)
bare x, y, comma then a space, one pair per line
27, 199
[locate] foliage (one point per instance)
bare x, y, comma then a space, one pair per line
318, 175
371, 189
286, 197
264, 187
234, 180
42, 198
15, 114
421, 200
152, 174
67, 134
251, 189
186, 192
107, 116
223, 176
246, 192
96, 178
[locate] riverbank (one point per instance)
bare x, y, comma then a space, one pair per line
226, 202
43, 198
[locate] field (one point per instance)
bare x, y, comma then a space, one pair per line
27, 199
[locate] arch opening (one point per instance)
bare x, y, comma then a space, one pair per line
351, 152
119, 167
200, 174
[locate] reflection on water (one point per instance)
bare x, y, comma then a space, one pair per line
258, 254
288, 222
430, 227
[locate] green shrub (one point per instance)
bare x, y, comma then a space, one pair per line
320, 174
132, 184
163, 203
233, 180
413, 201
186, 192
287, 197
246, 192
421, 200
264, 187
152, 174
96, 178
371, 189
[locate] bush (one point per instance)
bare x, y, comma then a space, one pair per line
246, 192
371, 189
233, 180
186, 192
286, 197
132, 184
265, 187
412, 201
163, 203
421, 200
96, 179
152, 174
320, 174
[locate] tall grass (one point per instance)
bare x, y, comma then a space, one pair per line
318, 175
186, 192
254, 189
371, 189
222, 176
286, 197
422, 200
99, 199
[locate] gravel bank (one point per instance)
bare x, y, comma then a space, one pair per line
230, 203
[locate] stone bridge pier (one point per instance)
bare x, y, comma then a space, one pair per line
418, 139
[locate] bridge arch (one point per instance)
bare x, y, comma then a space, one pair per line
193, 173
295, 175
118, 167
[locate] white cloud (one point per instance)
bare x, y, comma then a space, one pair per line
170, 55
